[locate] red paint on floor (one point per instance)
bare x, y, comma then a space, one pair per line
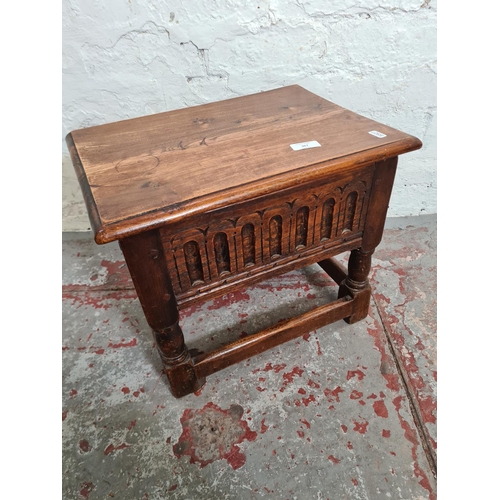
310, 399
411, 436
288, 377
110, 448
132, 343
84, 446
412, 336
356, 395
228, 299
269, 367
98, 300
355, 373
117, 274
387, 368
428, 408
189, 311
380, 409
263, 426
310, 383
305, 422
333, 394
320, 352
360, 426
85, 489
212, 433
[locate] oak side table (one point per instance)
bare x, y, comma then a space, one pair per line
212, 198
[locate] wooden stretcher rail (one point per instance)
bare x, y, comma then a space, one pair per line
334, 269
209, 363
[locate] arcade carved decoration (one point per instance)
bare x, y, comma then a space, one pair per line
225, 247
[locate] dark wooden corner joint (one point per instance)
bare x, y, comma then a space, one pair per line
213, 198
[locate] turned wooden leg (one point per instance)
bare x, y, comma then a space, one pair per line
356, 284
147, 265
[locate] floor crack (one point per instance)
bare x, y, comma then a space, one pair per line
429, 452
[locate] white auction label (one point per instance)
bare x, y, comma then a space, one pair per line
305, 145
377, 134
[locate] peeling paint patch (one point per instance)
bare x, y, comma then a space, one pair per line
228, 299
305, 422
212, 433
360, 426
85, 489
356, 395
269, 367
333, 394
132, 343
309, 399
313, 384
110, 448
380, 409
98, 300
288, 377
320, 352
355, 373
411, 436
84, 446
386, 363
263, 426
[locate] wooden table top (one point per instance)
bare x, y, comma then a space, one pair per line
140, 173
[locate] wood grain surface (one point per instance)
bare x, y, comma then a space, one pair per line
141, 173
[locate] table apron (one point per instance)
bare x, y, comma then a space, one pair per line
242, 244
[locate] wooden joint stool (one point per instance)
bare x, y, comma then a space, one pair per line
213, 198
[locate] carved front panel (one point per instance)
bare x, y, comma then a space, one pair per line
221, 247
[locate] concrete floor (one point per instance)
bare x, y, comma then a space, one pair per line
345, 412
